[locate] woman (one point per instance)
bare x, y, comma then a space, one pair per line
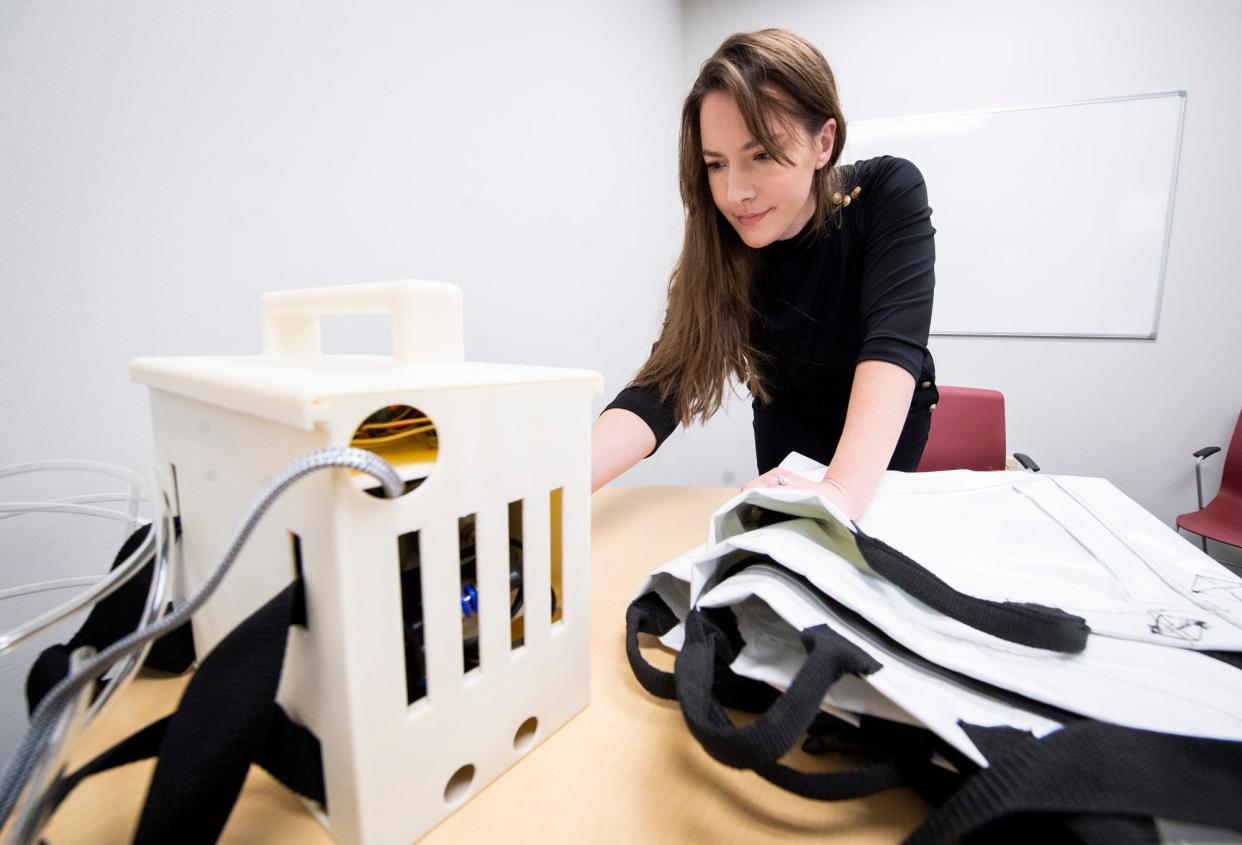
807, 282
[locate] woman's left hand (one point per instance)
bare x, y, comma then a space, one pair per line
829, 489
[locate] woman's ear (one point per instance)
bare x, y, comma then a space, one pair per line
823, 142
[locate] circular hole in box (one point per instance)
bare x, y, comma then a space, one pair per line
525, 736
458, 787
403, 436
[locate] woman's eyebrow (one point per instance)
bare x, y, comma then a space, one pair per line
749, 146
776, 139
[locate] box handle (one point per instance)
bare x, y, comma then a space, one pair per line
426, 318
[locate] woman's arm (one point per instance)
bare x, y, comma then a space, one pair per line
619, 440
879, 403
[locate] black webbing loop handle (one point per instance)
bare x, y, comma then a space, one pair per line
829, 657
1034, 625
760, 744
1096, 768
648, 614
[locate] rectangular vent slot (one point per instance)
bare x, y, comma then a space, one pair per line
557, 552
410, 573
469, 592
516, 575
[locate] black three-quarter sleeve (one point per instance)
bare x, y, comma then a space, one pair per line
898, 278
660, 417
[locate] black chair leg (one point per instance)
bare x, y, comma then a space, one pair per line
1202, 538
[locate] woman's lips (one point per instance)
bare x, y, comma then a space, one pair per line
752, 219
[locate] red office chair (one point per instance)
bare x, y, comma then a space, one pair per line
968, 432
1221, 520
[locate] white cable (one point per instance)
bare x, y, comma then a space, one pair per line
119, 575
84, 499
126, 474
48, 586
19, 508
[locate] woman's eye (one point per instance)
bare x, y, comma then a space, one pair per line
764, 156
714, 165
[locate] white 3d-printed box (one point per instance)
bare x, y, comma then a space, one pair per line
412, 669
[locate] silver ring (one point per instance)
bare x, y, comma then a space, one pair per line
782, 480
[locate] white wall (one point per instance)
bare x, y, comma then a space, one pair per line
1131, 411
162, 164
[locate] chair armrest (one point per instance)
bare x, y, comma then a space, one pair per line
1026, 462
1205, 452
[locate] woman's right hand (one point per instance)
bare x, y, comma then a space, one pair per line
619, 440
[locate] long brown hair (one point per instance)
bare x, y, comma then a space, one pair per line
706, 340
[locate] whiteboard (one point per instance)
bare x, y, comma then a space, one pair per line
1050, 221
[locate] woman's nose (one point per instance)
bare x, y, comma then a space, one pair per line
741, 187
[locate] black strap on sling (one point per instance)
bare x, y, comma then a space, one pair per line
782, 726
226, 720
829, 658
1034, 625
110, 619
1094, 768
648, 614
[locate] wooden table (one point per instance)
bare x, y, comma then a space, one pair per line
625, 769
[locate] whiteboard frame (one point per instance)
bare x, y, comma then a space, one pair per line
1168, 221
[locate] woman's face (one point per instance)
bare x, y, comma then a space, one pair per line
764, 200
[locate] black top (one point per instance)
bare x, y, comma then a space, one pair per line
862, 292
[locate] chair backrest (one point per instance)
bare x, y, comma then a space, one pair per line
967, 431
1231, 477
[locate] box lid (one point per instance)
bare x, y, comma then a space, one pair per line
296, 390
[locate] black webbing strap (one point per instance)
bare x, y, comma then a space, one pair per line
648, 614
137, 746
226, 719
1032, 625
995, 743
829, 657
109, 620
291, 754
218, 729
782, 725
1233, 658
1096, 769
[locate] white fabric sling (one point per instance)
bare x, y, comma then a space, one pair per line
983, 618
